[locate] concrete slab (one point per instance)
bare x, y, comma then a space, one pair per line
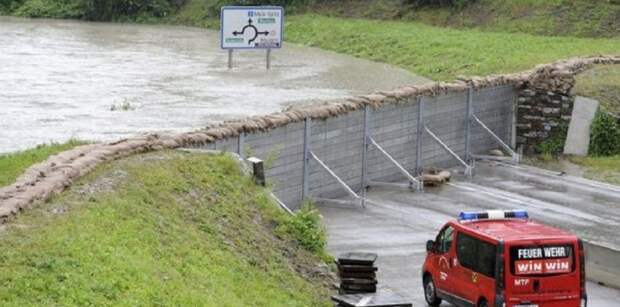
397, 223
578, 137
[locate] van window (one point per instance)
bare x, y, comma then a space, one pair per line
444, 240
476, 255
542, 259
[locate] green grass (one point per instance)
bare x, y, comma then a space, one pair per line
435, 52
163, 229
606, 169
584, 18
196, 13
438, 53
14, 164
603, 84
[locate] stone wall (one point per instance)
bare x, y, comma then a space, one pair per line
546, 100
540, 114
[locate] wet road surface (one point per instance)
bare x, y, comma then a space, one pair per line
59, 79
397, 223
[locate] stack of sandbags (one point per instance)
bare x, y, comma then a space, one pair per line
435, 177
357, 273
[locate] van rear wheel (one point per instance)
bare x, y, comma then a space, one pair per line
483, 303
430, 294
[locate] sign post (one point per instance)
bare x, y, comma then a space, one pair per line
230, 58
251, 27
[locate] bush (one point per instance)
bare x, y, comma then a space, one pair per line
605, 135
103, 10
47, 8
97, 10
306, 228
7, 6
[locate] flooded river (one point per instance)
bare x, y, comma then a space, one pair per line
100, 81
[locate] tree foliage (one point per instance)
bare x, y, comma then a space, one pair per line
111, 9
97, 10
454, 3
105, 10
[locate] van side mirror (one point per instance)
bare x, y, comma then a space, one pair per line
430, 245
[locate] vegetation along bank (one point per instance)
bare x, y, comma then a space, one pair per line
414, 43
164, 229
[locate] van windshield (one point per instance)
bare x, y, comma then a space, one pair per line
542, 259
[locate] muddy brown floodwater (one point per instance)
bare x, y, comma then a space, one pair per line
60, 79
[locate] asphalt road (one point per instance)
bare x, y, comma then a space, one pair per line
397, 223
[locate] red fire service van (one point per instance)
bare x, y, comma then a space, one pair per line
504, 259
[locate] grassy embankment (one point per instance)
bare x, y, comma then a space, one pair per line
162, 229
14, 164
439, 53
583, 18
603, 84
434, 52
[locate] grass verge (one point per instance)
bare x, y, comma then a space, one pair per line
14, 164
606, 169
438, 53
162, 229
584, 18
603, 84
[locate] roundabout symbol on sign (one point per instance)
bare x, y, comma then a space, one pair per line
253, 27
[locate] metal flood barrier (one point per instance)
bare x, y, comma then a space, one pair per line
415, 183
353, 151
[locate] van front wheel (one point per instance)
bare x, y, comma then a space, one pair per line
430, 293
483, 303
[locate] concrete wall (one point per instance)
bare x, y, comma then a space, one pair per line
602, 264
338, 141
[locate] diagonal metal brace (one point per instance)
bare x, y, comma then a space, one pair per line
340, 181
413, 182
515, 156
468, 168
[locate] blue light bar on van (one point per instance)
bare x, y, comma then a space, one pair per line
493, 215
